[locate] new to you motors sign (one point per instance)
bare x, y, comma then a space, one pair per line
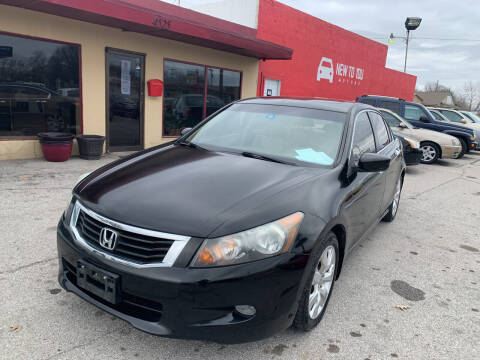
339, 72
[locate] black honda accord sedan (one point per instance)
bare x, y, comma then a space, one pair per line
238, 229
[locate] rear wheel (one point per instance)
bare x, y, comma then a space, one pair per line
318, 288
464, 147
392, 210
430, 154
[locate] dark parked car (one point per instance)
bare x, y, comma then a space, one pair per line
239, 228
411, 149
29, 108
419, 116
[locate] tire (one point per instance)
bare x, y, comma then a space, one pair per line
464, 147
431, 152
307, 317
393, 208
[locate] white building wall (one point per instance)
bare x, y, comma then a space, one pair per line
243, 12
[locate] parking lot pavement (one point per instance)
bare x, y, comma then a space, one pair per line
428, 259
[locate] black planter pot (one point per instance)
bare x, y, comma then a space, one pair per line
90, 146
55, 138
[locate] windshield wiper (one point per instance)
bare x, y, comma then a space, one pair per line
190, 144
266, 158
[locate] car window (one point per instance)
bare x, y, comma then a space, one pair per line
452, 116
391, 120
368, 101
363, 139
299, 135
391, 105
413, 112
6, 91
326, 64
437, 116
380, 130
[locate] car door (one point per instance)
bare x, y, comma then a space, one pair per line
417, 116
29, 110
386, 145
394, 106
365, 192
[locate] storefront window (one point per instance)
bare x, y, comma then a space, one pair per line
184, 94
39, 86
223, 87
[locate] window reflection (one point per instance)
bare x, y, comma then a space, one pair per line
39, 87
185, 104
223, 87
184, 87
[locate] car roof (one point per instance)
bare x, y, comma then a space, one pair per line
306, 102
381, 97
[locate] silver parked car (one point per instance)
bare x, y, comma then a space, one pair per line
433, 144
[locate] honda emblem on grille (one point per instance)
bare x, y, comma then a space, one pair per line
108, 238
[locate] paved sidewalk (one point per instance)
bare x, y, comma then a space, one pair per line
428, 259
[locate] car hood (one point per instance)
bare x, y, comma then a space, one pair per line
455, 126
427, 135
186, 191
472, 126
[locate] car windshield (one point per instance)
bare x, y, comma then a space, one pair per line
293, 134
452, 116
472, 116
438, 116
395, 120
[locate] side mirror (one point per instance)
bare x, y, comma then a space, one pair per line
185, 131
373, 162
464, 121
423, 118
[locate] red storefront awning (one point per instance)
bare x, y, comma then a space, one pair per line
164, 20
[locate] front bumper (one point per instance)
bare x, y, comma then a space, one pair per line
451, 151
412, 156
182, 302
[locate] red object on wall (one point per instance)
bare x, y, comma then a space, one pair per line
155, 87
327, 61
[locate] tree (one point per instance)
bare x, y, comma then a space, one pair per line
471, 95
435, 86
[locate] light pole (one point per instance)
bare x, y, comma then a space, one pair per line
411, 23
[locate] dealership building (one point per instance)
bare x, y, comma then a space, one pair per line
139, 71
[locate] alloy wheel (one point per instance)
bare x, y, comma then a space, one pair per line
429, 153
322, 282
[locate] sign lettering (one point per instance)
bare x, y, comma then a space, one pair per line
161, 22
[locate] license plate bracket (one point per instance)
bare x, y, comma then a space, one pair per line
102, 283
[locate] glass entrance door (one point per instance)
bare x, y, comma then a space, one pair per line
125, 100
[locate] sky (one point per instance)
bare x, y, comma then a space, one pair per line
451, 62
432, 56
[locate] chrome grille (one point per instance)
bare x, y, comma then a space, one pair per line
134, 246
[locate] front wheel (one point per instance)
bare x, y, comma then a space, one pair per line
464, 148
430, 153
318, 288
393, 209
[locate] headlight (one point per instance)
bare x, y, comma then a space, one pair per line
472, 138
413, 143
258, 243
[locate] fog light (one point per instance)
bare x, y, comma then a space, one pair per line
245, 310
